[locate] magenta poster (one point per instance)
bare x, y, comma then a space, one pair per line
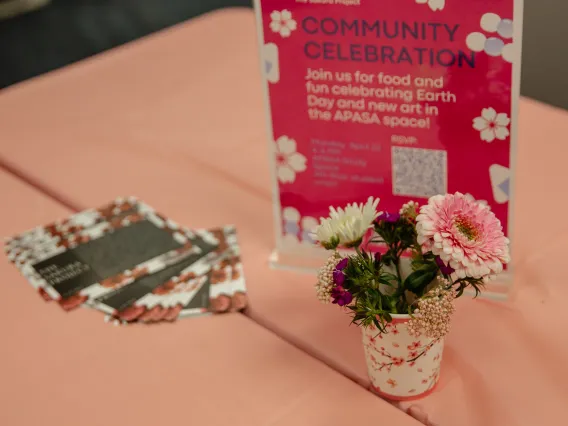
398, 99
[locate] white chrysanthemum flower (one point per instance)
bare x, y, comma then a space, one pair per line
346, 227
325, 234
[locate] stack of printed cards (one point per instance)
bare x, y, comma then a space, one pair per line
133, 264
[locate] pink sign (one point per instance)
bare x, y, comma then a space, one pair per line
398, 99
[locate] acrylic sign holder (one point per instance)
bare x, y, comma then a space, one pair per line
397, 99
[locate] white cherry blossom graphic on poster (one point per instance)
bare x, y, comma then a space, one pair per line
492, 125
490, 22
508, 52
291, 221
298, 229
271, 65
308, 225
282, 22
505, 28
500, 182
434, 4
288, 161
495, 45
476, 41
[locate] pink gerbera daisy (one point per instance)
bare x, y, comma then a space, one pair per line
464, 233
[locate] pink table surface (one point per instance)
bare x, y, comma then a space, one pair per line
101, 130
180, 124
74, 369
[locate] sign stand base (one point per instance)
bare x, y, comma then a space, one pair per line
299, 262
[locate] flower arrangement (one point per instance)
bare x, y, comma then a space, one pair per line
433, 253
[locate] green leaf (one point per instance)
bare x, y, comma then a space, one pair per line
419, 278
429, 256
387, 276
401, 306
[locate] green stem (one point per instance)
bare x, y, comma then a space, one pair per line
358, 251
398, 274
395, 250
393, 306
459, 281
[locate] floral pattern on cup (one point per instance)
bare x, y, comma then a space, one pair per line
399, 364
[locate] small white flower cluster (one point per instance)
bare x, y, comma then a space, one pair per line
325, 278
409, 209
434, 313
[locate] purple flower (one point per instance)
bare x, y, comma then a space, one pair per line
377, 259
341, 296
444, 269
342, 264
389, 217
338, 277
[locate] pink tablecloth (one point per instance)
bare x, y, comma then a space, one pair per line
73, 369
191, 143
180, 124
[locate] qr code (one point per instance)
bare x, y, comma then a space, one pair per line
419, 172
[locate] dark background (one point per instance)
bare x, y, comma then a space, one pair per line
69, 30
66, 31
